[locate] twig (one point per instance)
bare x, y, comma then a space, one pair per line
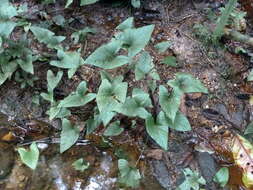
238, 36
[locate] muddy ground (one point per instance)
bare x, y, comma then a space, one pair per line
226, 106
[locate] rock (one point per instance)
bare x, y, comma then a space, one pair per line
161, 173
208, 168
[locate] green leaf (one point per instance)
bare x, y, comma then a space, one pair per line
170, 102
113, 129
134, 107
80, 165
77, 98
154, 74
141, 97
69, 2
180, 123
129, 176
162, 46
48, 96
222, 176
187, 83
53, 112
7, 10
59, 20
92, 124
170, 60
249, 129
63, 113
81, 34
110, 95
106, 116
88, 2
143, 65
52, 80
46, 36
223, 20
192, 180
48, 1
128, 23
136, 3
157, 131
26, 64
106, 56
250, 76
6, 28
69, 135
31, 157
134, 40
3, 78
68, 60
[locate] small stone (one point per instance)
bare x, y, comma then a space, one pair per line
21, 178
194, 96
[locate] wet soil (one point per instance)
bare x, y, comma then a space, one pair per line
224, 74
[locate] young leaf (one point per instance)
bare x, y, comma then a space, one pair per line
110, 95
6, 28
46, 36
92, 124
7, 10
26, 64
69, 135
143, 65
48, 97
31, 157
52, 80
68, 60
106, 116
222, 176
250, 76
69, 2
128, 23
141, 97
192, 180
162, 46
106, 56
157, 131
88, 2
222, 22
134, 107
113, 129
170, 102
136, 3
134, 40
81, 34
180, 123
59, 20
129, 176
249, 129
78, 98
80, 165
170, 60
187, 83
53, 112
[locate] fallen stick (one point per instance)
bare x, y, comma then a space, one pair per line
238, 36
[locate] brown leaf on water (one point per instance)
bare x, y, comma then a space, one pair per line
242, 151
237, 151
